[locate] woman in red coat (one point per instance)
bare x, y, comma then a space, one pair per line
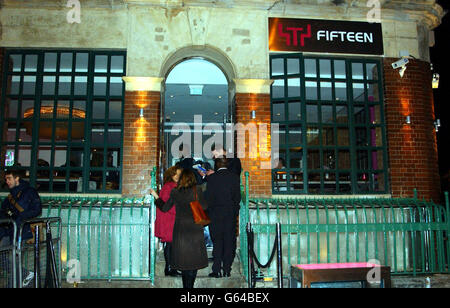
165, 221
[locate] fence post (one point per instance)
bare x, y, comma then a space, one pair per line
37, 263
279, 257
152, 228
447, 205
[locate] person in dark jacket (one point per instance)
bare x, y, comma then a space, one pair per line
188, 243
21, 204
233, 163
223, 196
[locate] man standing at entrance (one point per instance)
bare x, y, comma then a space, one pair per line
223, 197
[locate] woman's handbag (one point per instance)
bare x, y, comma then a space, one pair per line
199, 214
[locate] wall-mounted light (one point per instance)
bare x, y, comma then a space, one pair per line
253, 114
408, 119
141, 113
435, 82
437, 124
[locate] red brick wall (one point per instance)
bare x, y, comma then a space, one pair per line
412, 148
260, 180
141, 141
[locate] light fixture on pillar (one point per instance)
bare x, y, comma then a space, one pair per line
401, 64
435, 80
408, 119
141, 113
437, 124
253, 114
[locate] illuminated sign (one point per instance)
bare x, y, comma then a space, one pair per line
314, 35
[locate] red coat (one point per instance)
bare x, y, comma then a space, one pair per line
165, 221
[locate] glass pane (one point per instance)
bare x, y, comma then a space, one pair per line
9, 156
343, 137
340, 91
95, 180
112, 180
357, 71
29, 85
359, 115
375, 114
339, 69
278, 88
377, 160
372, 71
75, 181
296, 157
363, 182
312, 114
362, 160
280, 159
78, 131
361, 136
14, 85
378, 182
101, 64
50, 62
31, 63
98, 109
314, 183
328, 136
296, 180
312, 136
310, 68
11, 108
311, 90
24, 155
281, 134
26, 130
278, 112
295, 134
293, 87
344, 159
325, 91
327, 114
97, 133
341, 114
113, 158
329, 160
378, 136
117, 64
64, 85
279, 181
114, 133
15, 62
62, 109
325, 68
116, 86
293, 66
11, 131
59, 181
344, 182
44, 158
329, 182
27, 109
294, 111
82, 63
313, 159
115, 109
65, 65
76, 157
45, 131
277, 66
358, 92
48, 86
100, 86
96, 158
373, 94
80, 85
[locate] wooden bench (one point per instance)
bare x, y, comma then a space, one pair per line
305, 274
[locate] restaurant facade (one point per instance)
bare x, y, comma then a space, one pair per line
85, 95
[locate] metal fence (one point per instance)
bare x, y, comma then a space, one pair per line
409, 235
7, 256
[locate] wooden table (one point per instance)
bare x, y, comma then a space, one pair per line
305, 274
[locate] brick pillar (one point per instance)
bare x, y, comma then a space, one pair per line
260, 180
412, 148
141, 141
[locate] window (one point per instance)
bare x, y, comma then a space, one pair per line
331, 125
62, 118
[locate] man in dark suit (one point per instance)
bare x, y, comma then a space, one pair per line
223, 196
233, 163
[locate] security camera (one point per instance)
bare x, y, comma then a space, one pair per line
400, 63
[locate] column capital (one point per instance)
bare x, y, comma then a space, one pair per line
259, 86
135, 83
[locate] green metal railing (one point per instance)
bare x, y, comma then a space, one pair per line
112, 238
409, 235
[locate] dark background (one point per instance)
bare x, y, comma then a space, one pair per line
440, 57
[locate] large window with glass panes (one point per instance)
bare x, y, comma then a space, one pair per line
62, 118
329, 111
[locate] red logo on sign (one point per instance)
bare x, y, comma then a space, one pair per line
294, 34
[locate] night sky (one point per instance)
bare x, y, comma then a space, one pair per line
440, 57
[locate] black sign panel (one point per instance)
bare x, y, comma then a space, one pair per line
315, 35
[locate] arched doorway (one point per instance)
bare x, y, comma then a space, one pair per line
197, 105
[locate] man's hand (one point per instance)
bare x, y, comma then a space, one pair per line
209, 172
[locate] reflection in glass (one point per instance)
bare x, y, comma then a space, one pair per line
358, 92
80, 85
325, 68
357, 71
312, 136
48, 86
115, 109
277, 66
340, 91
327, 114
15, 62
371, 71
98, 109
294, 111
339, 69
14, 85
26, 131
29, 85
100, 86
64, 85
31, 63
293, 87
278, 88
115, 86
278, 111
311, 90
327, 136
117, 64
310, 68
101, 64
65, 65
312, 114
293, 66
295, 134
325, 91
82, 63
341, 114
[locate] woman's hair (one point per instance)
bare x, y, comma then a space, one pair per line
170, 173
187, 179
